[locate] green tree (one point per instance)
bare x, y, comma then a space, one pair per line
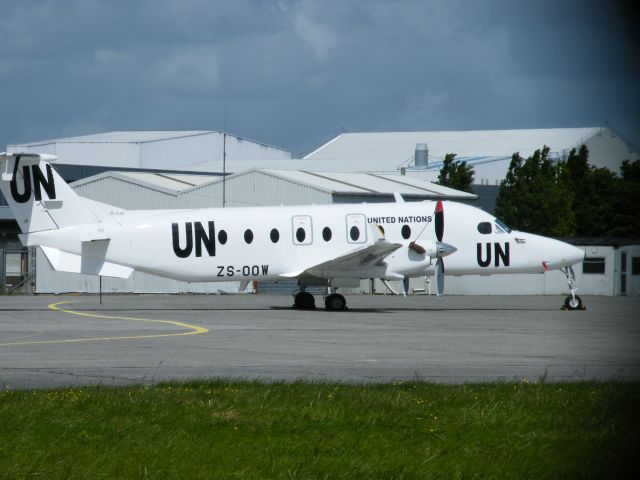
627, 200
455, 174
533, 198
604, 204
593, 193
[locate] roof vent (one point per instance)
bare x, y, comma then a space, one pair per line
422, 155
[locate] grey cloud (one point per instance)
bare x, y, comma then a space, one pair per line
294, 72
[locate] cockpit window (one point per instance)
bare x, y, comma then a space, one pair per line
484, 227
501, 226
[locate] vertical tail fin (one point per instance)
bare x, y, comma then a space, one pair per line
38, 196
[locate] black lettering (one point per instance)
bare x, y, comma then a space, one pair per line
209, 240
481, 262
186, 251
246, 270
255, 270
220, 269
229, 271
26, 180
48, 183
265, 269
501, 254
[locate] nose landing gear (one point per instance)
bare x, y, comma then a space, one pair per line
573, 301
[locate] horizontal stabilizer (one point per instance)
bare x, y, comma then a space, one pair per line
69, 262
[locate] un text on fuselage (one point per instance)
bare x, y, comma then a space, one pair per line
202, 238
499, 253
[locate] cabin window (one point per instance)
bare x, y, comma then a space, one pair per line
406, 231
222, 237
300, 234
248, 235
593, 265
356, 228
275, 235
484, 228
302, 230
326, 234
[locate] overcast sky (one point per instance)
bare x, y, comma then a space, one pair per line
295, 73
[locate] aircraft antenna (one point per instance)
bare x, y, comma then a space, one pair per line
224, 156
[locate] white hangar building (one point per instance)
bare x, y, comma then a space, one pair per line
181, 169
488, 151
196, 151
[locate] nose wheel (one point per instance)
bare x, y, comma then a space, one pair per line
573, 301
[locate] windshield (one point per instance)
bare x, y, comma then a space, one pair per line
502, 225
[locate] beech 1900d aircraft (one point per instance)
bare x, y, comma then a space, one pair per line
331, 245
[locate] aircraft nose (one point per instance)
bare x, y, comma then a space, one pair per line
568, 254
575, 255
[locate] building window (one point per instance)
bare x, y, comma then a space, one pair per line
406, 231
248, 235
635, 265
222, 237
275, 235
593, 265
326, 234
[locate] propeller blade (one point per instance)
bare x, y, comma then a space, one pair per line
405, 285
440, 276
439, 219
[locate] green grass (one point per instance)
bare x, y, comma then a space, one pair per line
231, 429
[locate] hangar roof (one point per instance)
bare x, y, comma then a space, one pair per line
369, 183
397, 148
330, 182
132, 136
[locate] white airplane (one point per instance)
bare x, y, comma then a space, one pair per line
329, 245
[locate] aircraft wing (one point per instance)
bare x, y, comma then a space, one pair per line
366, 258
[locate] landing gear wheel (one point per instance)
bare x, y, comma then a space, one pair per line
304, 301
335, 302
571, 303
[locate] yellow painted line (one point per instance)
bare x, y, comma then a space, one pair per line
191, 329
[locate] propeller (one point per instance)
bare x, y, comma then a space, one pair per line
443, 249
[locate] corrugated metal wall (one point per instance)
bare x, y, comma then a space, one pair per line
124, 194
254, 188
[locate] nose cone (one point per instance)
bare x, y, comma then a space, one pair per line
445, 249
564, 255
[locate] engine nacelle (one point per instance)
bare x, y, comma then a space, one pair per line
406, 262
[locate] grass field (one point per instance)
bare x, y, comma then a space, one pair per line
230, 429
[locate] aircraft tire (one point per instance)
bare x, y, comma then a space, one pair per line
304, 301
573, 304
335, 302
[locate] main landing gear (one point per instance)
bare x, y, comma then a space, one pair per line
573, 301
333, 302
